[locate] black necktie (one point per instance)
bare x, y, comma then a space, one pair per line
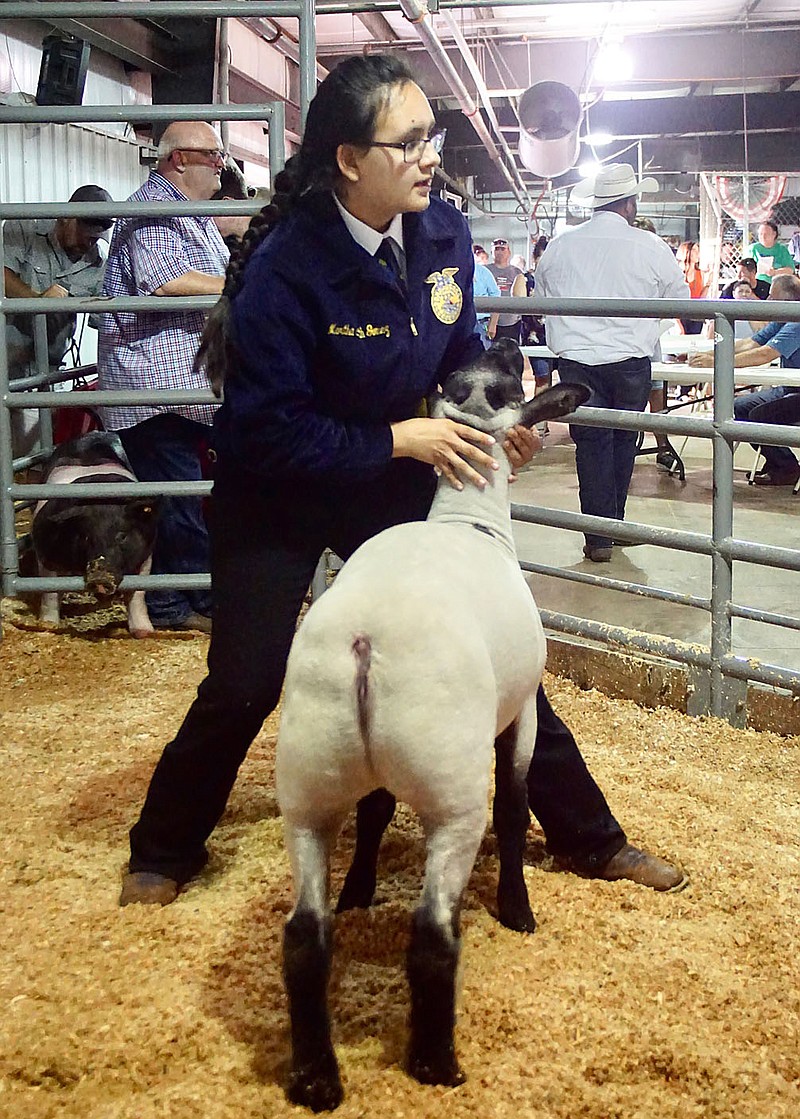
392, 256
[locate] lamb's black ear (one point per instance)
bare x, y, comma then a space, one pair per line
559, 400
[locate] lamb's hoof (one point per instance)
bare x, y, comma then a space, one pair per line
316, 1086
357, 893
436, 1069
517, 918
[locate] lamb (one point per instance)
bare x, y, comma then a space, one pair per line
425, 654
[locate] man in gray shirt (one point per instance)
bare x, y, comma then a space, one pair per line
51, 258
54, 259
511, 282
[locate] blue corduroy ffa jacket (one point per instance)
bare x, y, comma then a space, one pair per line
333, 349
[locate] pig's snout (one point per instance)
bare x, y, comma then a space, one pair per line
99, 580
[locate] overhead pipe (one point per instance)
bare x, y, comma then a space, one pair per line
472, 65
460, 190
416, 12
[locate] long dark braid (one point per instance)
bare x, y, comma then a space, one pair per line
344, 110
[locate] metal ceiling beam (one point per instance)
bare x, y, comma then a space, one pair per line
126, 39
714, 115
767, 154
378, 26
666, 58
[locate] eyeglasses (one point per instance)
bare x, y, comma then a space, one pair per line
499, 244
216, 155
413, 150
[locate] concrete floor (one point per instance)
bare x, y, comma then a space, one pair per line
658, 499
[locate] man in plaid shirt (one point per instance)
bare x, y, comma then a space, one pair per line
167, 256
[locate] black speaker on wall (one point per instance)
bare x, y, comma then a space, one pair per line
62, 74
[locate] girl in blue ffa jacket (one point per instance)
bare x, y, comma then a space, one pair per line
349, 301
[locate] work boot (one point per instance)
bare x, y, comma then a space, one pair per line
597, 553
147, 888
644, 869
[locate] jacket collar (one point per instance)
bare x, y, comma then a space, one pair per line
424, 236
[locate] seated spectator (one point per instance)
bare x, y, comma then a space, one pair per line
746, 328
773, 258
748, 270
775, 340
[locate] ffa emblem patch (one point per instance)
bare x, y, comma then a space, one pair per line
446, 297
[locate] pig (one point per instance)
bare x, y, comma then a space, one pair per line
102, 539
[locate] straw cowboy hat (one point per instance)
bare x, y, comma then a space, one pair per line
611, 184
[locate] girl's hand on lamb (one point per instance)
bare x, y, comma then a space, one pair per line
448, 446
520, 445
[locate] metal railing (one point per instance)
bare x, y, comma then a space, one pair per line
720, 674
723, 695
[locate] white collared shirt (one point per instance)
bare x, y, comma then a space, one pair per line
367, 237
606, 257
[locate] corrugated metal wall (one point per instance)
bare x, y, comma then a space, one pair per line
46, 163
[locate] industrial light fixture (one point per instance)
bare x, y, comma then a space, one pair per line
598, 139
589, 167
612, 63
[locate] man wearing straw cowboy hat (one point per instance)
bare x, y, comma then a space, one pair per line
607, 257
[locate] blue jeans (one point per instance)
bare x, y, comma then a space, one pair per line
772, 408
166, 448
604, 456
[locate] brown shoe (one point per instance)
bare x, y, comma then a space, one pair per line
147, 888
646, 870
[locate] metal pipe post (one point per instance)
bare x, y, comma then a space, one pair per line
8, 544
721, 516
277, 141
308, 57
41, 357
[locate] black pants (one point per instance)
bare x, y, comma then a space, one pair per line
263, 558
513, 332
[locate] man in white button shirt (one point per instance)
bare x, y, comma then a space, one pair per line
607, 257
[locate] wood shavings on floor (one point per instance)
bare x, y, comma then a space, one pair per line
625, 1004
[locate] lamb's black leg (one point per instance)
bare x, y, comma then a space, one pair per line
432, 962
373, 816
314, 1078
511, 819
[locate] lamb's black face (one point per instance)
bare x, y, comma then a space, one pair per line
488, 393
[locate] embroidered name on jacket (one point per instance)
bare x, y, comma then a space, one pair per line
369, 330
446, 296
